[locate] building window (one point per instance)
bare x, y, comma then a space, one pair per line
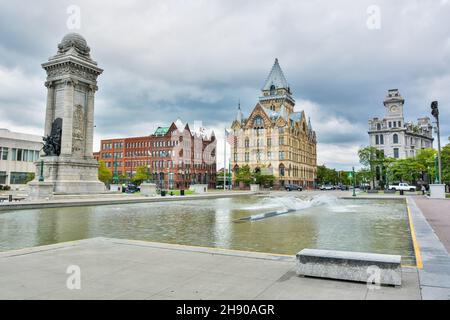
378, 126
381, 139
272, 90
258, 121
247, 142
3, 177
269, 142
377, 139
281, 141
3, 153
396, 153
395, 138
281, 155
20, 177
390, 124
282, 171
399, 124
247, 157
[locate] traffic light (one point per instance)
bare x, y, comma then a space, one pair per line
434, 109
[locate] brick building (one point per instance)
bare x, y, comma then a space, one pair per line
175, 156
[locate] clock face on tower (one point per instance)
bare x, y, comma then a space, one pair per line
394, 109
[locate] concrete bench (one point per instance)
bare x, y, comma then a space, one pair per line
353, 266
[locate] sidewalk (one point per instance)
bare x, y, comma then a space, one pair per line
437, 213
126, 269
434, 274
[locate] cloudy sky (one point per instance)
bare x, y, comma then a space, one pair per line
195, 59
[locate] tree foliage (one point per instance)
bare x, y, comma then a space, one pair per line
244, 175
104, 174
141, 175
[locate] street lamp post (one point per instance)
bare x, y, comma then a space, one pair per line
116, 175
435, 113
354, 181
148, 167
436, 170
41, 176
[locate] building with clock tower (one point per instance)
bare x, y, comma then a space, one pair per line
395, 137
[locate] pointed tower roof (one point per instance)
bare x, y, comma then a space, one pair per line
239, 115
276, 78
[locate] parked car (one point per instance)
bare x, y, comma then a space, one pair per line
342, 187
131, 188
402, 187
327, 187
290, 187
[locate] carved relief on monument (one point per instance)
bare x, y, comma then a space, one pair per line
78, 130
71, 69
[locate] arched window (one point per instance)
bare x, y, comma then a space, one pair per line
395, 138
272, 90
378, 126
282, 170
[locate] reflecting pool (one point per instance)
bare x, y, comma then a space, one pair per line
241, 223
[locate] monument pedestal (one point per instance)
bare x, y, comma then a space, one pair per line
199, 188
40, 190
67, 176
148, 189
437, 191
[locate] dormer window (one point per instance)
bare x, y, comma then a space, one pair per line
272, 90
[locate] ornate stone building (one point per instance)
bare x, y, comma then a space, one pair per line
274, 138
157, 151
395, 137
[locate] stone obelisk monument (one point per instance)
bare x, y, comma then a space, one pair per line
67, 165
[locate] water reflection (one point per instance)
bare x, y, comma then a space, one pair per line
313, 222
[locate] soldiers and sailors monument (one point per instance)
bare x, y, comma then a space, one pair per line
67, 165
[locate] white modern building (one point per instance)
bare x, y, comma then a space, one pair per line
18, 152
395, 137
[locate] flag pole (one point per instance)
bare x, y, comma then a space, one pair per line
225, 160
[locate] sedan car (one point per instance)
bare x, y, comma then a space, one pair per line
290, 187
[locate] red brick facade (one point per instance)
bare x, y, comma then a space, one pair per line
176, 159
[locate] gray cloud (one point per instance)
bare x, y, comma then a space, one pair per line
194, 60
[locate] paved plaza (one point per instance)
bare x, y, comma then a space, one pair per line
122, 269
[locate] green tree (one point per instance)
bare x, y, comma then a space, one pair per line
327, 176
407, 170
372, 158
264, 179
445, 158
141, 175
104, 174
244, 175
